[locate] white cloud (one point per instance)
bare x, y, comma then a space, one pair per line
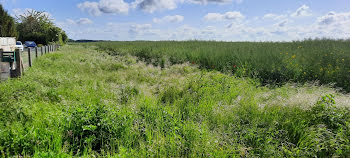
334, 25
210, 1
225, 16
113, 6
334, 18
205, 2
139, 29
81, 21
84, 21
282, 28
151, 6
169, 19
184, 32
273, 16
90, 7
213, 17
7, 1
303, 11
282, 23
105, 6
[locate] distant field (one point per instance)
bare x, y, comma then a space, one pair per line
324, 61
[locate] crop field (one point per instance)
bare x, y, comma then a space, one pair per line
275, 63
85, 102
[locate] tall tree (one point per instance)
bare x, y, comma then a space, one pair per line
37, 26
7, 24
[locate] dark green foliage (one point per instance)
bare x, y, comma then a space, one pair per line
64, 37
7, 24
38, 27
95, 127
328, 131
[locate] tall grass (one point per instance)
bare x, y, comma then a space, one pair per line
78, 102
325, 61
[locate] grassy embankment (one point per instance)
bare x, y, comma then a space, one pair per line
80, 102
325, 61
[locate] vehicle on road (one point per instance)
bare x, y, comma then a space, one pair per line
19, 45
31, 44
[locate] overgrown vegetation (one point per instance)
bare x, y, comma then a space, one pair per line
324, 61
79, 102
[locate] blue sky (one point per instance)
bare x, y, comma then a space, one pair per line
227, 20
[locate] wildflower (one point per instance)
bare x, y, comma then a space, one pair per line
304, 73
343, 60
293, 56
234, 66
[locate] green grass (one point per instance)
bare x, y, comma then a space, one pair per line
79, 102
324, 61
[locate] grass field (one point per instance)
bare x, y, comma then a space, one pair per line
324, 61
79, 102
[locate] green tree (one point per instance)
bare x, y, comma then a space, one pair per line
64, 37
37, 26
7, 24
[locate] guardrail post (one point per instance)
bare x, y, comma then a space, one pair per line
36, 52
41, 51
29, 57
45, 49
19, 65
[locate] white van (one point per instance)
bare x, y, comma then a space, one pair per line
7, 44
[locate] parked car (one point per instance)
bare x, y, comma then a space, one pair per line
30, 44
19, 45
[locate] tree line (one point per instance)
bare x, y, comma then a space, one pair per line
31, 26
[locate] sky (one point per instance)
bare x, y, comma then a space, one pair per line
220, 20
